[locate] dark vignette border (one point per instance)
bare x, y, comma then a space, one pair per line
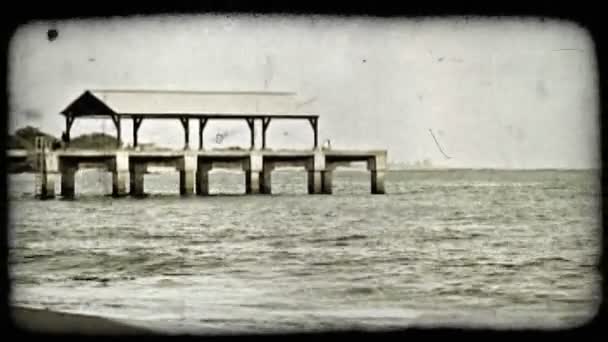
587, 16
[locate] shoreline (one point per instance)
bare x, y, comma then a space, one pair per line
48, 321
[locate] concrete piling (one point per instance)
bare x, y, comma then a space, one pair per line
202, 179
314, 182
266, 181
136, 179
377, 168
49, 175
68, 181
315, 173
252, 182
187, 173
377, 180
48, 186
186, 182
327, 179
254, 173
120, 174
119, 183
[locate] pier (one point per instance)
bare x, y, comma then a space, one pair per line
128, 165
128, 168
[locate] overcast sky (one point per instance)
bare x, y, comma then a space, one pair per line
512, 93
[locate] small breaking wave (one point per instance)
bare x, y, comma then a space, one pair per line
339, 238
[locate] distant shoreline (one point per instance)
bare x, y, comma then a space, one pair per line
490, 169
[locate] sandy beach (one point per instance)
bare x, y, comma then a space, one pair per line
46, 321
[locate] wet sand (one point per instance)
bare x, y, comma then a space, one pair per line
46, 321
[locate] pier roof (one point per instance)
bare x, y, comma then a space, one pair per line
186, 104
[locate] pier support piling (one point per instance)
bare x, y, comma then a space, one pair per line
136, 179
377, 182
187, 173
377, 168
266, 181
314, 182
68, 181
315, 173
202, 179
120, 173
48, 175
186, 182
47, 190
119, 183
253, 173
252, 182
327, 179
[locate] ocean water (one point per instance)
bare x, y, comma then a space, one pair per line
451, 248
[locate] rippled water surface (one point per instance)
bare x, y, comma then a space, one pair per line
515, 248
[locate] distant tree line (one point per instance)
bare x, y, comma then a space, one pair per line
25, 139
418, 164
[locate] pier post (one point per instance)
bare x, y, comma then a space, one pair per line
120, 173
67, 181
253, 172
315, 176
136, 179
377, 182
202, 178
314, 182
252, 182
187, 173
49, 173
266, 181
377, 167
327, 179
